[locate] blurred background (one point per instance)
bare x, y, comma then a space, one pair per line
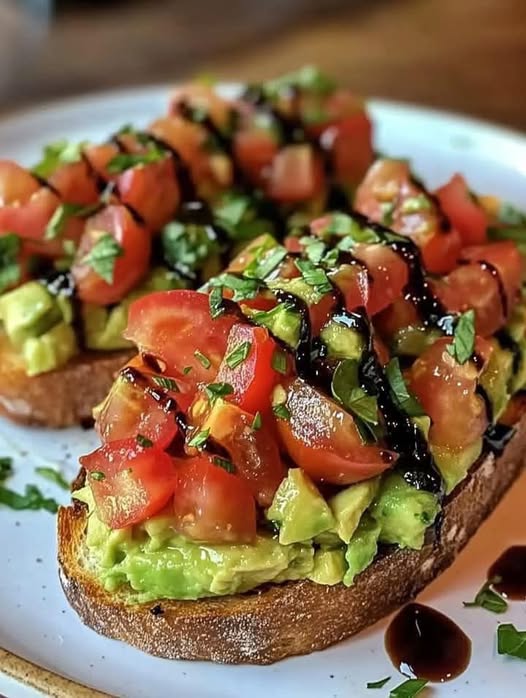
465, 55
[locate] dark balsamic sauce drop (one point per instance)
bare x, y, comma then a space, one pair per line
509, 571
425, 644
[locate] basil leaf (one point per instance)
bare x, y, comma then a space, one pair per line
279, 361
309, 78
31, 499
123, 161
511, 641
244, 289
231, 208
464, 338
187, 246
97, 475
347, 390
199, 439
378, 684
10, 245
203, 360
217, 390
103, 255
236, 357
261, 268
409, 689
6, 467
488, 599
415, 204
53, 476
224, 463
387, 208
144, 441
257, 421
281, 411
56, 154
316, 277
60, 218
403, 397
345, 226
314, 248
215, 300
166, 383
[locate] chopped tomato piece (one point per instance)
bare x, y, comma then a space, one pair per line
177, 328
463, 210
75, 184
254, 150
323, 439
296, 174
401, 313
350, 142
17, 185
447, 392
99, 157
353, 282
203, 98
388, 272
129, 483
252, 377
441, 251
212, 505
131, 261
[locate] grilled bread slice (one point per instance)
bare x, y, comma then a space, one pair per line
294, 618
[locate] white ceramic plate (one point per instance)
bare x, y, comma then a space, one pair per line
35, 620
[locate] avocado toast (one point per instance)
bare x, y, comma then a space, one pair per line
306, 443
91, 227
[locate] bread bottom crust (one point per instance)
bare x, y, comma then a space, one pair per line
294, 618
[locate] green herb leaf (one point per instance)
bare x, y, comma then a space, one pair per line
409, 689
350, 230
53, 476
331, 258
379, 684
256, 422
216, 302
281, 411
511, 641
308, 79
203, 360
464, 338
56, 154
199, 439
489, 599
316, 277
314, 248
415, 204
6, 468
239, 354
187, 246
387, 208
224, 463
97, 475
31, 499
216, 390
186, 370
166, 383
231, 208
61, 217
262, 267
279, 361
244, 288
103, 255
403, 397
123, 161
346, 388
509, 215
10, 245
144, 441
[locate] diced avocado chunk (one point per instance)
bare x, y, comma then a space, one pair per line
455, 463
412, 341
283, 323
348, 506
423, 423
342, 342
328, 539
403, 512
516, 326
299, 509
362, 548
495, 378
329, 566
298, 287
28, 311
50, 350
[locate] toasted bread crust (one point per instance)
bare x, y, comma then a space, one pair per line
293, 618
60, 398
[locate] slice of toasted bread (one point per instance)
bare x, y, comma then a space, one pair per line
60, 398
296, 617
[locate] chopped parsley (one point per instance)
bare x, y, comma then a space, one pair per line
6, 468
224, 463
199, 439
379, 684
257, 421
216, 302
281, 411
488, 599
511, 641
144, 441
62, 215
403, 397
279, 361
314, 248
103, 255
347, 390
32, 498
187, 246
409, 689
214, 391
56, 154
10, 245
203, 360
123, 161
261, 268
97, 475
166, 383
314, 276
186, 370
53, 476
243, 287
463, 343
238, 354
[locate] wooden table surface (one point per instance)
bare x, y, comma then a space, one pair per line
464, 55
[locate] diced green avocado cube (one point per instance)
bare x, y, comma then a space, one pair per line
329, 567
423, 423
516, 326
342, 342
362, 548
103, 327
403, 512
454, 464
349, 505
496, 376
283, 323
518, 381
328, 539
28, 311
298, 287
299, 509
49, 351
412, 341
